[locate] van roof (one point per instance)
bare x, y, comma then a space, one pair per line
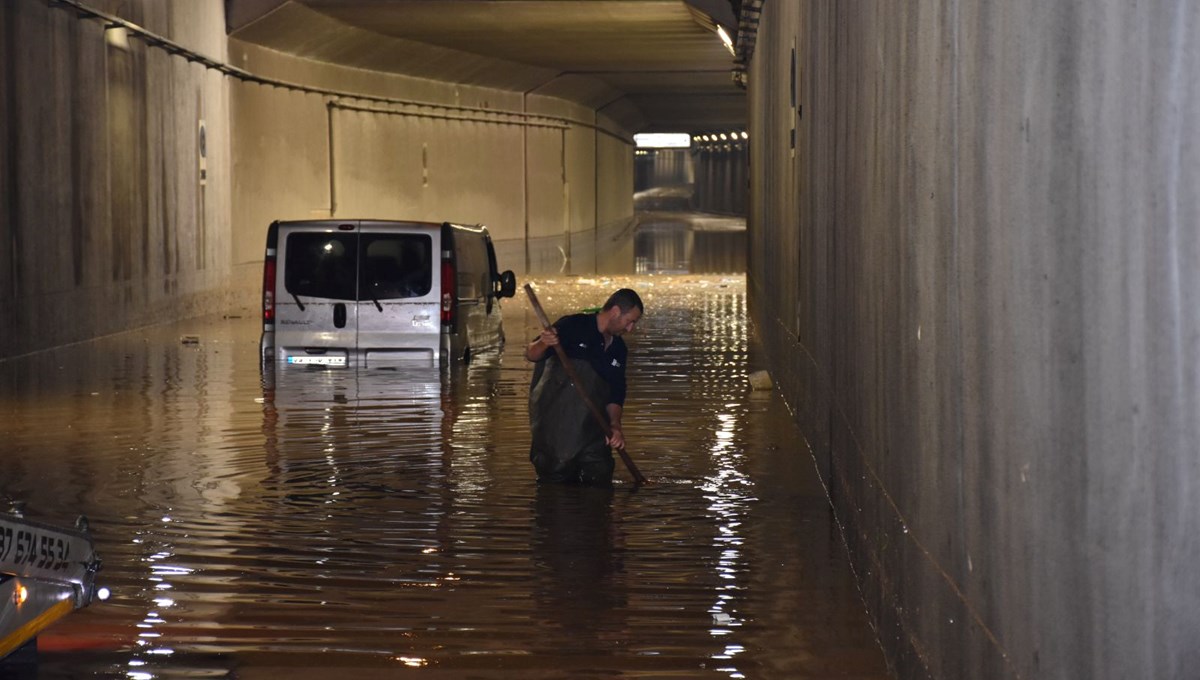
324, 223
327, 223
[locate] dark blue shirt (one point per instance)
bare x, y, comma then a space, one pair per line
580, 339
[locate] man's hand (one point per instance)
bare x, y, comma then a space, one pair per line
617, 439
546, 340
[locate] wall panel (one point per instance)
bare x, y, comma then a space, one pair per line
972, 279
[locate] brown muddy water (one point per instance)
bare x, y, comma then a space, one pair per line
334, 523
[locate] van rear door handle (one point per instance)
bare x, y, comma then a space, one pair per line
339, 315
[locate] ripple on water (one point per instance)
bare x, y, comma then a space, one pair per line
381, 520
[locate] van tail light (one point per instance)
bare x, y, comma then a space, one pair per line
269, 288
448, 287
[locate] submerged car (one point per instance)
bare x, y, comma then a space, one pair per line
380, 292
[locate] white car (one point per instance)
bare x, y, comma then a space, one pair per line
380, 292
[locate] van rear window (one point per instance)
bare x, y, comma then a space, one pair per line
326, 265
321, 265
396, 266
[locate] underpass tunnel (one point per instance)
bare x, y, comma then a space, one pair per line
690, 203
968, 233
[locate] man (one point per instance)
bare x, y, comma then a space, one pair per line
568, 444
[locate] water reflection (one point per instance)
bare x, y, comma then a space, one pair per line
671, 242
313, 522
578, 556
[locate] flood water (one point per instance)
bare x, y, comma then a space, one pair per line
372, 524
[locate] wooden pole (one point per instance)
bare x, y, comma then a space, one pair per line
570, 369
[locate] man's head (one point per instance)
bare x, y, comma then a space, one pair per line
621, 312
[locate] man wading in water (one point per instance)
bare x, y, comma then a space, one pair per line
568, 444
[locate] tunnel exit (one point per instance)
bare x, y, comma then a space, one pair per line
690, 197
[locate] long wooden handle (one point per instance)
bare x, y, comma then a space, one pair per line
570, 369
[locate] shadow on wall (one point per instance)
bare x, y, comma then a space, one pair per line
614, 246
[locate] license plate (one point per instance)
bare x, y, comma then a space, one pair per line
37, 551
335, 360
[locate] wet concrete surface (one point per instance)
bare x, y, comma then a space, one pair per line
318, 523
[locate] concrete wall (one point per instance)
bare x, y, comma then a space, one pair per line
722, 177
304, 155
614, 205
532, 181
105, 221
976, 281
107, 225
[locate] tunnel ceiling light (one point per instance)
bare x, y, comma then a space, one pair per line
745, 135
724, 136
726, 39
663, 140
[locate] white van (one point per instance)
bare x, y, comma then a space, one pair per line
377, 292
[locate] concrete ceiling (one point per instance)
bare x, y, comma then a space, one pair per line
659, 59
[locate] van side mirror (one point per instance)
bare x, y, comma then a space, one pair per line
508, 284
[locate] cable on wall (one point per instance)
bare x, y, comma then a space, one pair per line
167, 45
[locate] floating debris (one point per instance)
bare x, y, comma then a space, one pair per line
760, 380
